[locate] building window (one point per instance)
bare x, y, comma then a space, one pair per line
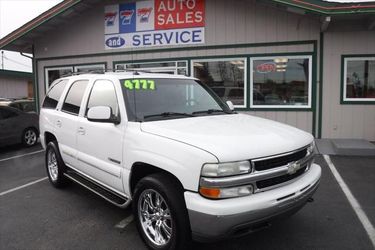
281, 82
90, 68
168, 67
51, 74
359, 79
226, 77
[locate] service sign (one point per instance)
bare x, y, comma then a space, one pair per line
154, 23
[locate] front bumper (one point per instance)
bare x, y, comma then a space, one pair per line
212, 219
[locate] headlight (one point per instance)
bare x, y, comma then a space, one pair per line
311, 148
226, 169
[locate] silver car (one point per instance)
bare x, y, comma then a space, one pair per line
18, 127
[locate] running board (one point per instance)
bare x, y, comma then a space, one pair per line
98, 189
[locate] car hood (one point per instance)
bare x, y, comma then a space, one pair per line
232, 137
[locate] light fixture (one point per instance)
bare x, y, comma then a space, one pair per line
237, 62
198, 64
281, 66
281, 70
281, 60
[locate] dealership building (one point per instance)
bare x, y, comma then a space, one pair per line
307, 63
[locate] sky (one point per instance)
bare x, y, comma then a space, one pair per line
13, 14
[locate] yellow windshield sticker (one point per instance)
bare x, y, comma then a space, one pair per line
139, 84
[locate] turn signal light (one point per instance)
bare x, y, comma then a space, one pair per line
213, 193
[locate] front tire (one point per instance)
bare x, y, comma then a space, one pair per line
55, 165
160, 213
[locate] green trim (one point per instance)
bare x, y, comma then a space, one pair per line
342, 101
321, 62
314, 86
13, 73
313, 9
35, 82
38, 24
175, 49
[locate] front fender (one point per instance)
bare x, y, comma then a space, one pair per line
182, 160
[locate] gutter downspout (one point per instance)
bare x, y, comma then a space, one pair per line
35, 78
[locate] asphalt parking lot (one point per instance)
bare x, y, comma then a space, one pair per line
38, 216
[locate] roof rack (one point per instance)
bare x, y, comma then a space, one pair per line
103, 71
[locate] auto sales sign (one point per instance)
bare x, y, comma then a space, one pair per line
154, 23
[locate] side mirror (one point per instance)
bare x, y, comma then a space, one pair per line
230, 105
101, 114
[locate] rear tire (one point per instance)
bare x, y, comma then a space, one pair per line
160, 213
55, 166
29, 137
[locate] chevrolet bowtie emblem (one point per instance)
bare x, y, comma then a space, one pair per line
293, 167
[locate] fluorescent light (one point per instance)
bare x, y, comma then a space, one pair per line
198, 64
280, 60
281, 66
237, 62
281, 70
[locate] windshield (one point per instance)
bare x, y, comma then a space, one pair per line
159, 99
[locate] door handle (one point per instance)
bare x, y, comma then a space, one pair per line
81, 131
58, 123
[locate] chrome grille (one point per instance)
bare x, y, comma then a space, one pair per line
277, 161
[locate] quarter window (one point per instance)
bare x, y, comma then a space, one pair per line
74, 97
103, 94
281, 82
54, 95
359, 79
226, 77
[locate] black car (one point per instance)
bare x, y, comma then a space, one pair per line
26, 105
17, 126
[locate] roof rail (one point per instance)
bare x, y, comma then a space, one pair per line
103, 71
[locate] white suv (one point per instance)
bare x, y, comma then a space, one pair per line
191, 166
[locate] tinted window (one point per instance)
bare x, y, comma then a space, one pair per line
7, 113
103, 94
223, 76
54, 95
73, 99
53, 74
360, 78
281, 81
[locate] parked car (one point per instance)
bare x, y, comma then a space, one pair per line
25, 105
189, 164
18, 127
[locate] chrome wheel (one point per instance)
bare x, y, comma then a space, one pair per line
155, 217
30, 137
52, 165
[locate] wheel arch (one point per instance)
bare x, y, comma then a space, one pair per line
140, 170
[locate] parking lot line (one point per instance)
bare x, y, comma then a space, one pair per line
23, 186
17, 156
122, 224
352, 200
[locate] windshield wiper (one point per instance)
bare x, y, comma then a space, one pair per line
210, 111
168, 114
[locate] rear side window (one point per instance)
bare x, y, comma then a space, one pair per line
103, 94
74, 97
53, 96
